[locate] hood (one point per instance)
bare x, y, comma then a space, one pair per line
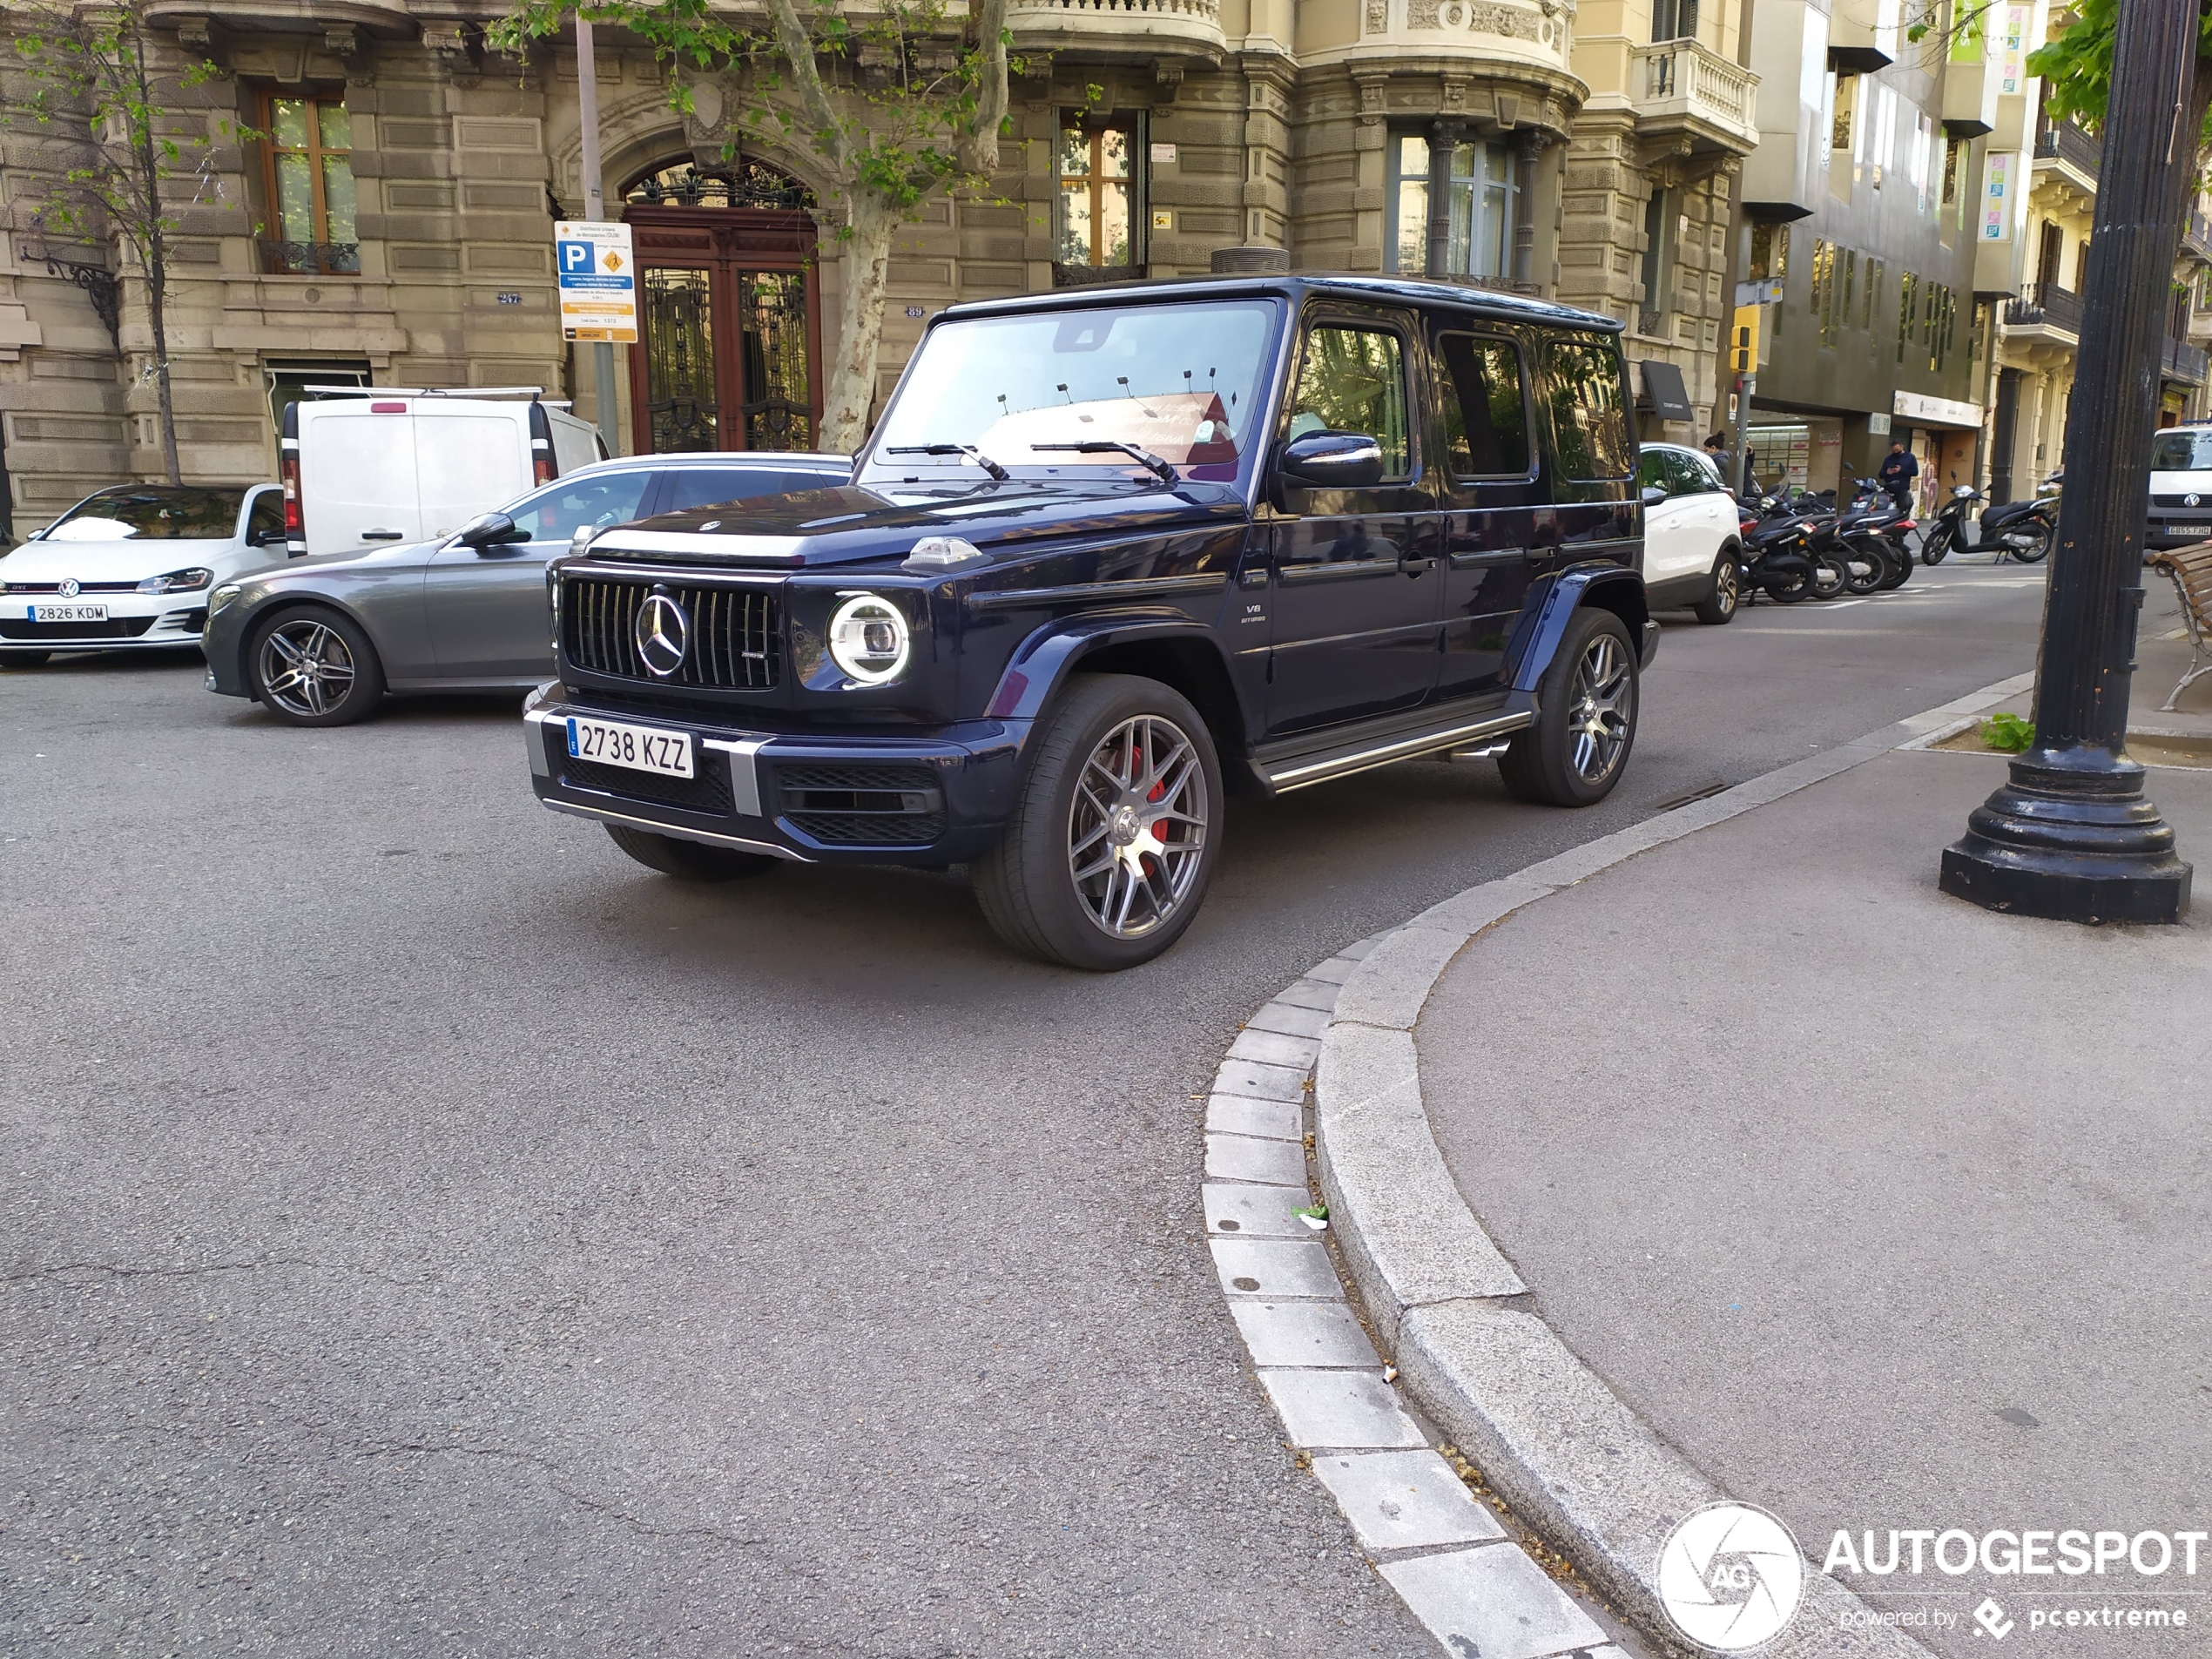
123, 561
398, 556
848, 523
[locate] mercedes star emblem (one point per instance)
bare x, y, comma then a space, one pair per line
70, 587
664, 633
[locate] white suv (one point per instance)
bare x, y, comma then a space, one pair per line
1690, 532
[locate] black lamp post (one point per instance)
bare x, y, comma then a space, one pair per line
2071, 836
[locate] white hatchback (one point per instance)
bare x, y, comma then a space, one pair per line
1691, 533
129, 568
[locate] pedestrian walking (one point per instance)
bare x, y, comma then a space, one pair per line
1898, 472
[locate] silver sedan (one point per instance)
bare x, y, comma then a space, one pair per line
319, 640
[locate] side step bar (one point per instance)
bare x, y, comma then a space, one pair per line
1286, 772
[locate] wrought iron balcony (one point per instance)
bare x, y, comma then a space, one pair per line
2069, 143
311, 259
2046, 305
2183, 363
1679, 85
1126, 27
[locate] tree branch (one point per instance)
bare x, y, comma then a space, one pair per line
797, 48
979, 146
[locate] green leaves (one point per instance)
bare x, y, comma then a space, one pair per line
2008, 732
2075, 63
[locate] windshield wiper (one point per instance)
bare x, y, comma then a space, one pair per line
968, 450
1100, 446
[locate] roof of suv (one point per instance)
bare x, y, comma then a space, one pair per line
1491, 302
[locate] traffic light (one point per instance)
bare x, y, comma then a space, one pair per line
1743, 353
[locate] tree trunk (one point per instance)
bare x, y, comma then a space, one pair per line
851, 392
157, 300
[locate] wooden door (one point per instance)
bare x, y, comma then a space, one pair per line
729, 349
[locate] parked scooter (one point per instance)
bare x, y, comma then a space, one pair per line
1874, 529
2019, 529
1782, 554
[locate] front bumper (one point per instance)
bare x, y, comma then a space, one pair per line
2178, 529
135, 622
816, 796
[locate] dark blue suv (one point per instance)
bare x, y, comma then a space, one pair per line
1106, 554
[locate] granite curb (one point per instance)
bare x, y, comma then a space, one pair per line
1547, 1433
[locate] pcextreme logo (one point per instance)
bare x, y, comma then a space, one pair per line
1730, 1576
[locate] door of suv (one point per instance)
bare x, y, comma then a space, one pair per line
1487, 472
1355, 592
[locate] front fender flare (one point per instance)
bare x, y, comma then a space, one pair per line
1553, 601
1043, 661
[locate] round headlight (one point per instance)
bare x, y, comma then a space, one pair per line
869, 639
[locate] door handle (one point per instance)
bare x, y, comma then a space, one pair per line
383, 536
1416, 567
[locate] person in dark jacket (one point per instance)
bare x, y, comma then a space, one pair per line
1896, 473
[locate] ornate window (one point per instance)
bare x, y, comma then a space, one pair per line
1479, 239
1100, 175
310, 186
743, 183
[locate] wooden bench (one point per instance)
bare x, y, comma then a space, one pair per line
2191, 570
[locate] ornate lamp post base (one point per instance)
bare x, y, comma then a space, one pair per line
2070, 843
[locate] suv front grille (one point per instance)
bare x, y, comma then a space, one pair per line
735, 641
862, 806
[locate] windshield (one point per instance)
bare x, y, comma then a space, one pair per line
2182, 452
154, 514
1182, 382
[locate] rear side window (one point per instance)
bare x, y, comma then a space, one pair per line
1486, 415
1354, 380
267, 516
691, 486
1589, 420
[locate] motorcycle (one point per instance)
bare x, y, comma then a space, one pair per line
2019, 530
1873, 530
1782, 554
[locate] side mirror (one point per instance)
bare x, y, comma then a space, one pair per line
1653, 494
492, 530
1330, 461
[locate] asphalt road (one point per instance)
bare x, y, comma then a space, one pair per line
426, 1231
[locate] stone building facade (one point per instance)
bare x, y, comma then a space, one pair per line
395, 226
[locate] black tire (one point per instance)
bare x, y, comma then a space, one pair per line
1830, 576
1933, 546
1901, 563
1723, 599
1866, 565
311, 665
1032, 889
2038, 551
1546, 762
23, 659
689, 861
1787, 590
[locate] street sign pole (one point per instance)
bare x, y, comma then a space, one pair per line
594, 208
2071, 837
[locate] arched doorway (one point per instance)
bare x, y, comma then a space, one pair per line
729, 317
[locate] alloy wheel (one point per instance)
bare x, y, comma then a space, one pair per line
1598, 720
1136, 828
306, 668
1725, 594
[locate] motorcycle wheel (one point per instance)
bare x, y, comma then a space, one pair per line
1831, 575
1789, 589
1900, 566
2036, 551
1865, 565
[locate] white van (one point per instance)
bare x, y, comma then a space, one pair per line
363, 466
2181, 487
